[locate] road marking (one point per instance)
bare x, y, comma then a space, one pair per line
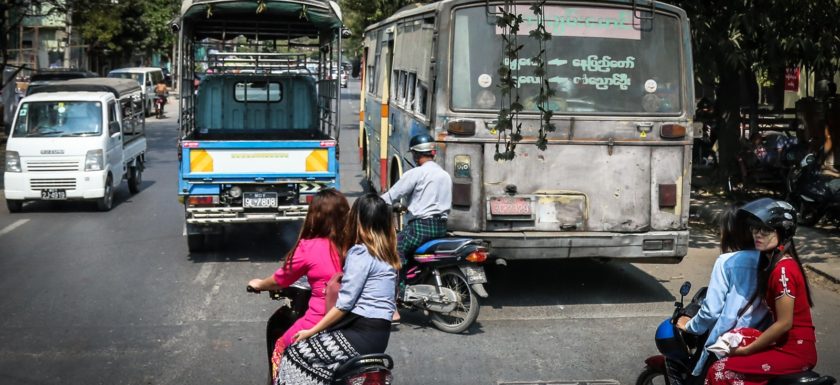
13, 226
204, 273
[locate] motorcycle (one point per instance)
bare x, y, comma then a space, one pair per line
813, 194
160, 100
764, 161
367, 369
680, 352
445, 279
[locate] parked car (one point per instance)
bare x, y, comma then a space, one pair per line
146, 76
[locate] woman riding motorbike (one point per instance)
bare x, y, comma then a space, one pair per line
360, 322
788, 345
316, 254
730, 299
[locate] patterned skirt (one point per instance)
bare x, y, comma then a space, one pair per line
313, 361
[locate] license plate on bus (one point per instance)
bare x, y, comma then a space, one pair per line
510, 206
259, 200
53, 194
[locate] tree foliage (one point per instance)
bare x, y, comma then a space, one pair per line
359, 14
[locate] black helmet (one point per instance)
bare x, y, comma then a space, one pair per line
421, 143
776, 214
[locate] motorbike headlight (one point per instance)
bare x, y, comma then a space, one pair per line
94, 160
13, 161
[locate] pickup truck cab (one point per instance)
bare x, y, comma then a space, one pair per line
76, 140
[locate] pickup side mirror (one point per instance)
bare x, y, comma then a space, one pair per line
114, 128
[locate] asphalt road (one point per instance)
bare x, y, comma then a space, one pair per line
116, 298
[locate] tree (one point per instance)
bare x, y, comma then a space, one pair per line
12, 14
359, 14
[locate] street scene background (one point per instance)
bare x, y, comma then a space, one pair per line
115, 297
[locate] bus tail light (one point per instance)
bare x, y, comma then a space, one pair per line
672, 131
203, 200
667, 195
461, 127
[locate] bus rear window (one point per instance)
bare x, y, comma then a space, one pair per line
597, 62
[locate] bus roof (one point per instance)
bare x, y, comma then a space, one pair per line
288, 18
409, 11
118, 87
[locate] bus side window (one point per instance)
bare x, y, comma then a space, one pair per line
410, 84
421, 99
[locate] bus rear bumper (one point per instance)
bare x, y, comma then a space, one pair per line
649, 247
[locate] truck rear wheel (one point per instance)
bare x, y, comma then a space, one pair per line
14, 206
195, 242
135, 178
107, 201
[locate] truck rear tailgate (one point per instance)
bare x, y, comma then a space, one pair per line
258, 162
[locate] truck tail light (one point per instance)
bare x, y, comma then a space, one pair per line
306, 199
203, 200
667, 195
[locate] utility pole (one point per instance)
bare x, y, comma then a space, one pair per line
68, 28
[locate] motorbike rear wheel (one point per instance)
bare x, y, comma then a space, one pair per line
651, 376
466, 310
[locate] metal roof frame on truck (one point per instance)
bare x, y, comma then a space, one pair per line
118, 87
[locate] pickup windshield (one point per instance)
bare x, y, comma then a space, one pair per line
597, 61
55, 119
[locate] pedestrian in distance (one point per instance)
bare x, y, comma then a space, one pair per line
429, 191
360, 322
318, 255
731, 300
788, 345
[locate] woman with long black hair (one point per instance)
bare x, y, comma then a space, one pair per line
789, 345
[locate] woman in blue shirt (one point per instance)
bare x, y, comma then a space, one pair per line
360, 322
731, 299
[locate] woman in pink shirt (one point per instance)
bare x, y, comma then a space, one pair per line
316, 255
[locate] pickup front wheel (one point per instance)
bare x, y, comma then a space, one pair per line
14, 206
107, 201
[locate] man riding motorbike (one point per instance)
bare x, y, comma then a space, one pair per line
429, 191
161, 92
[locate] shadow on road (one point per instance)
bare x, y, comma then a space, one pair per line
250, 243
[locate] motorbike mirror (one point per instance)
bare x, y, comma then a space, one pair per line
685, 288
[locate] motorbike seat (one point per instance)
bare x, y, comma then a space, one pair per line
364, 363
802, 378
442, 246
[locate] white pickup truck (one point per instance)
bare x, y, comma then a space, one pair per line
76, 140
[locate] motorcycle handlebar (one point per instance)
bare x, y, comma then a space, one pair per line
251, 289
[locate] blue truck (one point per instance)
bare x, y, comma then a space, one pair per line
259, 137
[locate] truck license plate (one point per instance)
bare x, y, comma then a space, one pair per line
53, 194
260, 200
510, 206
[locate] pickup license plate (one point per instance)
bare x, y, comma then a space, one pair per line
53, 194
475, 274
260, 200
510, 206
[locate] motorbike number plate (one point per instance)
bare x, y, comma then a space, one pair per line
53, 194
260, 200
475, 274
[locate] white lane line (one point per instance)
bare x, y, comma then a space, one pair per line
13, 226
203, 274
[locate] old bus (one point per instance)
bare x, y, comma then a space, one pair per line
614, 179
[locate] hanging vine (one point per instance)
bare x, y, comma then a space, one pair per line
508, 126
546, 92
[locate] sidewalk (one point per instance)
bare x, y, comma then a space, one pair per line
817, 246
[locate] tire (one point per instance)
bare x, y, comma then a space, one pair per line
651, 376
808, 214
135, 178
468, 303
195, 242
14, 206
106, 203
